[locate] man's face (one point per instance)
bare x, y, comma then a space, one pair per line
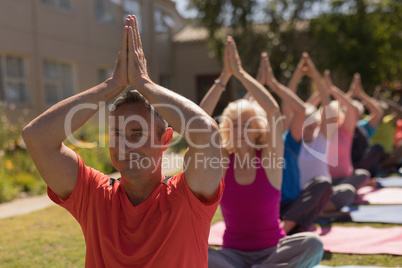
135, 148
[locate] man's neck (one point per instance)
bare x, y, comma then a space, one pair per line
138, 190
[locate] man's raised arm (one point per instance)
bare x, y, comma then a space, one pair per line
44, 136
202, 168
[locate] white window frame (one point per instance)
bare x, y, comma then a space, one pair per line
5, 79
113, 20
162, 21
57, 82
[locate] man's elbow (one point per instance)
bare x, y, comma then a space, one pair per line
27, 134
32, 138
204, 132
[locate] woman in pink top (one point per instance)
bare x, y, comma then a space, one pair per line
345, 179
252, 161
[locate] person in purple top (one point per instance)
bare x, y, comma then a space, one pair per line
252, 162
309, 134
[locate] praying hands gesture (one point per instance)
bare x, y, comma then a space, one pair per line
137, 64
131, 64
305, 67
351, 114
265, 71
233, 58
355, 87
121, 69
292, 107
356, 90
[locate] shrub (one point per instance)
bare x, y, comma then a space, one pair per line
8, 191
18, 173
178, 144
92, 146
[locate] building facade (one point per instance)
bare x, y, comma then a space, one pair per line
52, 49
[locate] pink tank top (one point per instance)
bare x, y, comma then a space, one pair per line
251, 212
340, 154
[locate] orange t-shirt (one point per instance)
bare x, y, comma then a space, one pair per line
169, 229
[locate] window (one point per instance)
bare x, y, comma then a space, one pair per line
133, 7
13, 79
163, 22
58, 81
106, 11
62, 4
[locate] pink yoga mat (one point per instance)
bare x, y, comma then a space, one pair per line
216, 233
338, 239
382, 196
361, 240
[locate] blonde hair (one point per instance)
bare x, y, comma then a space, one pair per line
311, 110
237, 109
336, 108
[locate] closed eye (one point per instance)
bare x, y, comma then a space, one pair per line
139, 134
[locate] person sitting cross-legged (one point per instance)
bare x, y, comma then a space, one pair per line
252, 157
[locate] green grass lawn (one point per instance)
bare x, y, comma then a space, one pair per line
52, 238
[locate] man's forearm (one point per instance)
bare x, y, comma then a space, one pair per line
48, 129
183, 115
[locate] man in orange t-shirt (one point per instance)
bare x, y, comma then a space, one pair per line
142, 220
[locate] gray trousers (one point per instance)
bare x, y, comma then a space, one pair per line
344, 189
305, 209
302, 250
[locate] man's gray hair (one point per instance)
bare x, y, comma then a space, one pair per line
135, 97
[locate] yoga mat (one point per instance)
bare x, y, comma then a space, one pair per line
379, 196
361, 240
390, 182
375, 213
348, 266
338, 239
216, 233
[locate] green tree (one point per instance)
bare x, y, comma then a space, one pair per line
361, 36
257, 26
346, 36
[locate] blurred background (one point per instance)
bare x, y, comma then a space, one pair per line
52, 49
